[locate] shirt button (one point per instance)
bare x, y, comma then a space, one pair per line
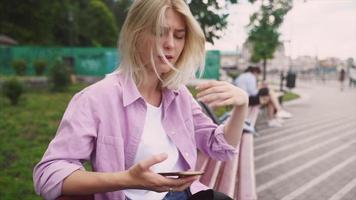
173, 133
186, 154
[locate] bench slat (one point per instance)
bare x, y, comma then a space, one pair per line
211, 173
247, 183
229, 177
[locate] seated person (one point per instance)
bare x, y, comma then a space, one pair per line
262, 96
141, 120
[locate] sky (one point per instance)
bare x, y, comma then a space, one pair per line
323, 28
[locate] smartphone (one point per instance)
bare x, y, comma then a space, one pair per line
182, 174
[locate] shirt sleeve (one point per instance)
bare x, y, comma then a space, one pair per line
71, 146
248, 83
252, 89
209, 136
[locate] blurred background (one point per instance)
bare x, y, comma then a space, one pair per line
50, 50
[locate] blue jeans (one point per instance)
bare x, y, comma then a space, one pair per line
184, 195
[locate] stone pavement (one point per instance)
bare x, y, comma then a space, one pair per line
313, 156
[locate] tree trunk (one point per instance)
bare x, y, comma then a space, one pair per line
264, 68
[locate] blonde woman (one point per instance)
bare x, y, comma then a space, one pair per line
141, 119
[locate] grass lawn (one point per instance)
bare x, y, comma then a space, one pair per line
289, 96
25, 131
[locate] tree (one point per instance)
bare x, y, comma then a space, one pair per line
27, 22
97, 25
65, 20
209, 15
119, 8
264, 33
58, 22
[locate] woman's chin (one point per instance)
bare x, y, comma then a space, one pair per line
164, 69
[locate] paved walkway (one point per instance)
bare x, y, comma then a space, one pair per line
313, 156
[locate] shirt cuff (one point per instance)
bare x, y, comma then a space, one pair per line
54, 179
221, 146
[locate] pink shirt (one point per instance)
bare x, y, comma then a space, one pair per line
104, 122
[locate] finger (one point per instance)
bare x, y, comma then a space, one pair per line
183, 187
215, 89
208, 84
226, 102
146, 164
214, 97
178, 182
189, 181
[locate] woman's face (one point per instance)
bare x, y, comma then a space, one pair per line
171, 41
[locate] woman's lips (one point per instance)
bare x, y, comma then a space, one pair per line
168, 57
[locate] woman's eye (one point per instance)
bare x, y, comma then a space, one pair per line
180, 37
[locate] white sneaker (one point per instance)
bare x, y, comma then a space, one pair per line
283, 114
248, 128
274, 123
280, 120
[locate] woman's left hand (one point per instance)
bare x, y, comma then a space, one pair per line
221, 93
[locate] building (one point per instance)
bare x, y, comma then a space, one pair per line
279, 62
229, 59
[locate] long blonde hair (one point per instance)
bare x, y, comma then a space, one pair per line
150, 14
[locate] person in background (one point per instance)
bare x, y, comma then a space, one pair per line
352, 76
342, 76
262, 96
142, 120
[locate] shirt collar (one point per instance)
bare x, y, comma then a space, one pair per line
130, 92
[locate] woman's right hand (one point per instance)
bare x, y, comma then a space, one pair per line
142, 177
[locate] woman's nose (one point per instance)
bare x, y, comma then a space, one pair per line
169, 41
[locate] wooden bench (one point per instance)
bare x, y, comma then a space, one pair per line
235, 178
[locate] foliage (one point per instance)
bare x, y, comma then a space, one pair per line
119, 8
219, 111
233, 74
19, 66
12, 89
65, 22
59, 77
100, 28
26, 130
289, 96
40, 67
264, 33
210, 17
27, 21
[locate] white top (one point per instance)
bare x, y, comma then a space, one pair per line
154, 141
248, 82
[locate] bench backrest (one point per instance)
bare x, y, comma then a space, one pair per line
236, 177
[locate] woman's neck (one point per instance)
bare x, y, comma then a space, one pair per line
151, 90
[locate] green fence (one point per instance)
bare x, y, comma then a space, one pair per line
84, 61
212, 65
